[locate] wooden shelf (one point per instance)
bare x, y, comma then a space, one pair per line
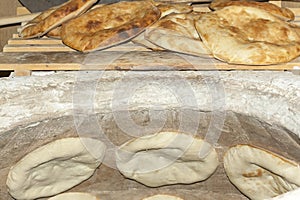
25, 55
123, 60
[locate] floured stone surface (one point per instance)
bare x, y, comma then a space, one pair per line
270, 96
108, 183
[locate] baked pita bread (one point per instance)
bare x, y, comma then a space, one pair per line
250, 36
176, 32
283, 13
55, 33
162, 197
166, 158
165, 9
55, 167
74, 196
260, 174
54, 17
109, 25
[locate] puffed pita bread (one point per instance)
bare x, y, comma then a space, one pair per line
176, 32
260, 174
56, 32
162, 197
54, 17
55, 167
165, 9
283, 13
166, 158
246, 35
109, 25
74, 196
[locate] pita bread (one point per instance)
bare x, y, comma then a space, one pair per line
109, 25
162, 197
260, 174
74, 196
283, 13
54, 17
165, 9
177, 32
55, 33
250, 36
55, 167
166, 158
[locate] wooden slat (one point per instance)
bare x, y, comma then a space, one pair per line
51, 45
117, 60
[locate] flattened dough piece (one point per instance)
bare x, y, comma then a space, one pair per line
283, 13
109, 25
250, 36
162, 197
74, 196
55, 167
260, 174
177, 32
54, 17
166, 158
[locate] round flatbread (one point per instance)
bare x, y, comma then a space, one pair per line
177, 32
74, 196
109, 25
55, 167
165, 9
162, 197
250, 36
283, 13
166, 158
54, 17
260, 174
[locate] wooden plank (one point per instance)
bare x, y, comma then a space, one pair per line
41, 41
117, 60
52, 45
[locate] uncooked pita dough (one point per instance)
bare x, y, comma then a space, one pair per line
109, 25
54, 17
55, 167
283, 13
246, 35
162, 197
260, 174
74, 196
166, 158
177, 32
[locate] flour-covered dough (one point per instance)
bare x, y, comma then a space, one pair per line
55, 167
260, 174
166, 158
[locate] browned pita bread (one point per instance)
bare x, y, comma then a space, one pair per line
247, 35
54, 17
55, 33
165, 9
109, 25
259, 173
283, 13
176, 32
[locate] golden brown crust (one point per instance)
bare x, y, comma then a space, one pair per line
55, 33
54, 17
247, 35
109, 25
283, 13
